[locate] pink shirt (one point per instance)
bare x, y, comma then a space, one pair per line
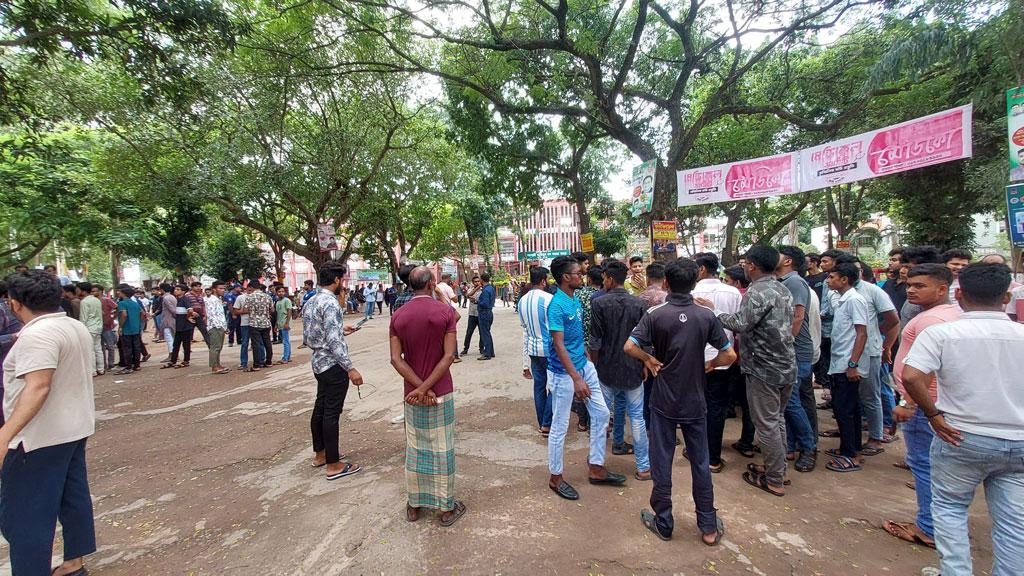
937, 315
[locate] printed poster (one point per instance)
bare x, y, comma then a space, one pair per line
325, 234
1015, 213
587, 242
757, 178
642, 188
663, 236
933, 139
1015, 132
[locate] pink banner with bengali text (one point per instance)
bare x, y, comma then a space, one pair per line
757, 178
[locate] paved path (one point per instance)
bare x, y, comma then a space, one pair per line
199, 474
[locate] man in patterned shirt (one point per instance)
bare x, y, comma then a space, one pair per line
765, 323
216, 325
324, 333
261, 308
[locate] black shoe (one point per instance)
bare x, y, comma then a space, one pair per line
484, 357
622, 449
464, 352
611, 479
565, 491
807, 461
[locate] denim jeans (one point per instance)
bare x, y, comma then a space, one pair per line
871, 397
918, 435
486, 318
663, 447
805, 381
799, 432
616, 401
370, 307
638, 428
541, 398
561, 389
243, 343
957, 471
286, 355
888, 397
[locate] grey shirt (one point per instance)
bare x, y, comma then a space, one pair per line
801, 294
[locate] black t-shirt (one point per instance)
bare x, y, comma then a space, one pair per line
816, 282
897, 292
678, 330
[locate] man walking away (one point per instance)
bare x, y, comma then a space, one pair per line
978, 419
765, 323
91, 314
324, 333
678, 332
129, 330
49, 413
613, 318
533, 315
927, 286
216, 325
423, 345
485, 315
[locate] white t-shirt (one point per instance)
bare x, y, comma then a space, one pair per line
243, 319
978, 363
448, 292
68, 413
726, 300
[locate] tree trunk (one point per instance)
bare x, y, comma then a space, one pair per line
115, 267
661, 209
732, 214
580, 199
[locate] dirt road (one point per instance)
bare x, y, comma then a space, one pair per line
199, 474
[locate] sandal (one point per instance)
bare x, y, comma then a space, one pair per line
842, 464
905, 531
460, 510
889, 438
901, 465
348, 470
182, 365
582, 428
647, 517
759, 469
411, 514
743, 450
716, 469
168, 365
720, 531
833, 433
648, 478
223, 371
871, 451
912, 485
758, 480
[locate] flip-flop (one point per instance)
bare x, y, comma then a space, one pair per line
912, 485
758, 469
647, 518
829, 433
460, 510
165, 366
901, 465
745, 452
223, 371
716, 469
718, 538
760, 481
834, 452
889, 438
842, 464
348, 470
903, 531
641, 478
871, 451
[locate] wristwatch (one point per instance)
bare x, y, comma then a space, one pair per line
852, 364
905, 404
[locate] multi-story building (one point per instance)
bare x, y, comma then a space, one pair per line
554, 227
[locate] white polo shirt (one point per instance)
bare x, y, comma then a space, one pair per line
726, 299
978, 361
68, 413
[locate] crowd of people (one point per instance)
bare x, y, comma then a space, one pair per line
933, 352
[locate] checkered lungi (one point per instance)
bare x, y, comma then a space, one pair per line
430, 454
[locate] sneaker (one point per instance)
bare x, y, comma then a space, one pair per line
398, 419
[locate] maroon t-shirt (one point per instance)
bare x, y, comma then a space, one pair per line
421, 325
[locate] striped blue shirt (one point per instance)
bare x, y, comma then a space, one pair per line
533, 315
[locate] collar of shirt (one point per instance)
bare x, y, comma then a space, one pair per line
847, 295
985, 315
679, 299
765, 278
43, 317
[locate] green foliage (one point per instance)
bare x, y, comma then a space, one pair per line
610, 241
230, 255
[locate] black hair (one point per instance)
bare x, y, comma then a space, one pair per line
419, 277
403, 273
847, 259
330, 272
560, 266
816, 258
307, 281
166, 287
128, 291
85, 286
70, 289
595, 274
921, 255
708, 261
933, 270
956, 253
635, 259
3, 288
738, 275
538, 274
216, 283
194, 284
617, 271
849, 271
833, 254
655, 271
35, 290
580, 257
866, 273
896, 251
985, 284
796, 254
765, 258
681, 275
98, 287
182, 287
486, 277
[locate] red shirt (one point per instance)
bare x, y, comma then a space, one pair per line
109, 311
421, 325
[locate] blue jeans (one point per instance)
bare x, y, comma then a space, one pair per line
956, 473
799, 432
243, 343
561, 389
541, 398
870, 391
634, 400
616, 401
918, 435
485, 318
370, 307
888, 397
287, 354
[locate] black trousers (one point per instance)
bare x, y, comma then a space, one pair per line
182, 338
662, 434
821, 375
808, 402
474, 322
202, 332
739, 397
718, 397
268, 348
132, 350
846, 404
234, 330
331, 389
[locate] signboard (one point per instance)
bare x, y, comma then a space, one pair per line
933, 139
1015, 213
371, 275
843, 244
641, 187
664, 236
325, 235
1015, 131
587, 242
543, 254
757, 178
